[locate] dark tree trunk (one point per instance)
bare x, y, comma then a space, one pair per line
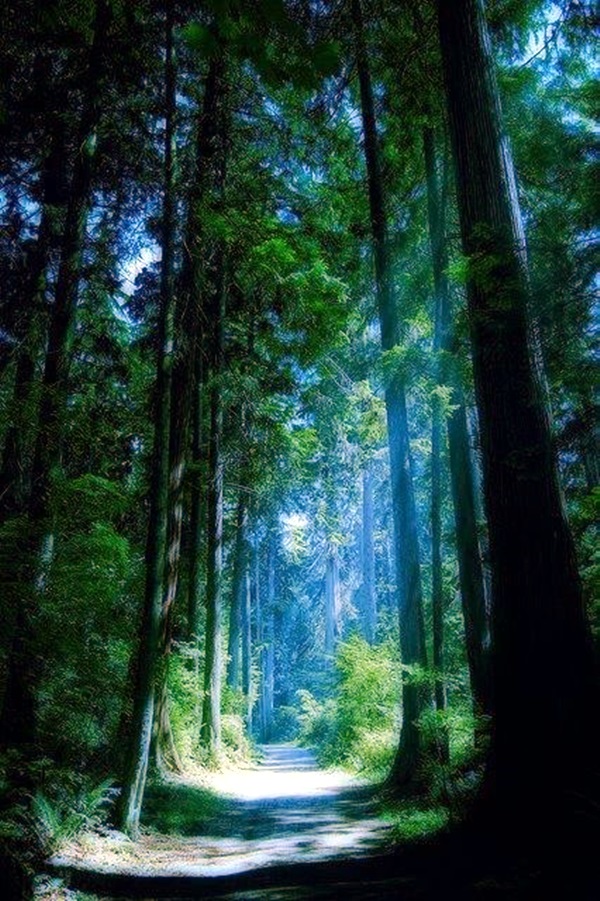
17, 722
15, 473
197, 511
471, 575
437, 585
251, 586
142, 725
542, 739
238, 593
210, 729
369, 596
211, 710
267, 640
407, 558
332, 600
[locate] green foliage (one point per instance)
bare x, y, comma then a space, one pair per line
358, 727
413, 823
59, 820
185, 666
176, 808
84, 627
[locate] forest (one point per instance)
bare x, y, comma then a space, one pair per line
299, 431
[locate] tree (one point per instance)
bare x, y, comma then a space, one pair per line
470, 564
410, 603
541, 739
18, 716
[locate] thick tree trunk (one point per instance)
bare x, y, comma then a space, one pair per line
142, 725
166, 755
542, 737
369, 596
407, 558
18, 717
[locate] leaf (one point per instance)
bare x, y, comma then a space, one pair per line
200, 38
326, 58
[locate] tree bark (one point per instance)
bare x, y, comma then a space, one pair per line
368, 558
542, 743
136, 765
197, 510
238, 593
210, 732
267, 637
251, 586
471, 575
332, 600
17, 722
406, 547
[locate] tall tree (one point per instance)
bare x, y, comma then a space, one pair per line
470, 565
156, 543
542, 743
18, 717
410, 600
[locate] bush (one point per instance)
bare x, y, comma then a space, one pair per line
358, 728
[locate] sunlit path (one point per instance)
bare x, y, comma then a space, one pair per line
285, 810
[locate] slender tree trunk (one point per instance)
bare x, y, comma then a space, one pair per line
471, 575
238, 593
437, 586
268, 642
332, 600
136, 765
17, 722
251, 589
410, 600
210, 729
542, 747
211, 711
197, 511
368, 558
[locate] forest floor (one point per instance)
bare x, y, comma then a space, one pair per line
285, 830
280, 812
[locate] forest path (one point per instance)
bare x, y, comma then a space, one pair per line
245, 826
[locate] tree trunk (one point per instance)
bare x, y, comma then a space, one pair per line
267, 668
210, 732
197, 511
332, 600
238, 593
407, 557
15, 473
136, 766
17, 722
368, 558
251, 589
542, 744
471, 575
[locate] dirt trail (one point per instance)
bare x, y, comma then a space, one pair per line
281, 813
